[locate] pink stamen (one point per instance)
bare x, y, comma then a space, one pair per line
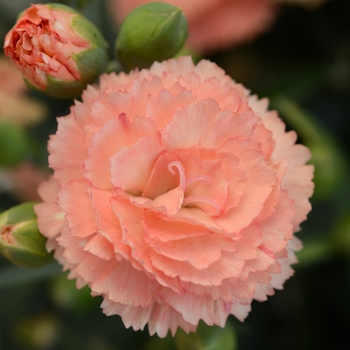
206, 179
181, 170
191, 199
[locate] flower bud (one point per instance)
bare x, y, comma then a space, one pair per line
20, 240
57, 50
152, 32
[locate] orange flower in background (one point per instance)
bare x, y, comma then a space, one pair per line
214, 24
175, 196
56, 49
306, 3
19, 111
14, 106
11, 80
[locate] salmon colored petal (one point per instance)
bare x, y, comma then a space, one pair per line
162, 108
198, 251
298, 182
108, 225
194, 308
228, 266
111, 138
131, 167
100, 247
167, 230
124, 279
50, 216
75, 202
209, 126
67, 157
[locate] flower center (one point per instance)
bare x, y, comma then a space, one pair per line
193, 200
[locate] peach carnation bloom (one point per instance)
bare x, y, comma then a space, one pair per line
43, 43
175, 196
214, 24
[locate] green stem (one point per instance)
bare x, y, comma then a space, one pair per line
299, 119
314, 252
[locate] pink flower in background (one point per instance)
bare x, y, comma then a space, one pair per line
306, 3
11, 80
14, 105
175, 196
26, 178
214, 24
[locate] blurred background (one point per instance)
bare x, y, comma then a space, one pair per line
302, 63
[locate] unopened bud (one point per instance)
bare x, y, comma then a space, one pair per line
57, 50
152, 32
20, 240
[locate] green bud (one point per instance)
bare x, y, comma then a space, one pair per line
12, 144
152, 32
20, 240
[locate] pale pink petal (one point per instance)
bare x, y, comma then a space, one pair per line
112, 137
131, 166
50, 216
67, 157
108, 225
198, 251
209, 127
162, 108
228, 266
194, 308
166, 230
75, 202
100, 246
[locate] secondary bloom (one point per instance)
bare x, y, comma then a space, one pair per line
56, 49
14, 105
175, 196
214, 24
306, 3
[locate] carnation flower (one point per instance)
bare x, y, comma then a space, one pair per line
175, 196
214, 24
